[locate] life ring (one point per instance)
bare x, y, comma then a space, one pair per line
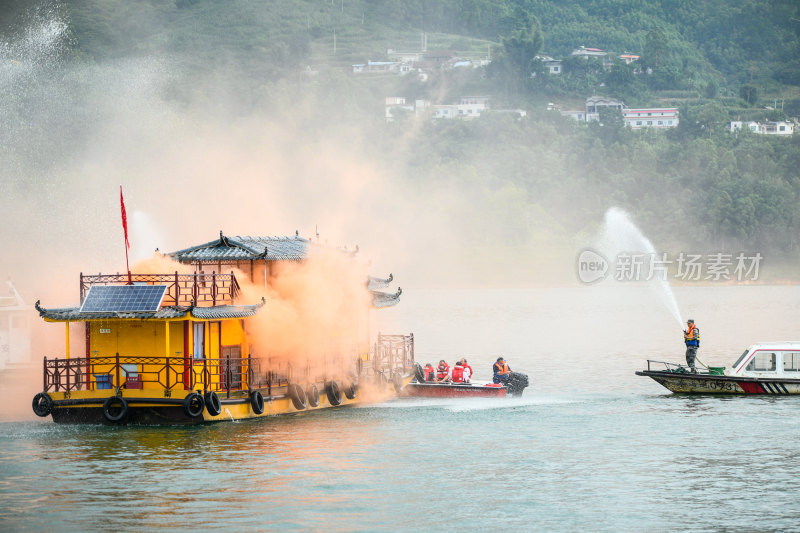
419, 373
213, 404
109, 409
351, 391
42, 404
397, 381
298, 396
312, 393
257, 402
334, 393
193, 405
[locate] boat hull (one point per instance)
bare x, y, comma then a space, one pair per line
86, 407
448, 390
714, 384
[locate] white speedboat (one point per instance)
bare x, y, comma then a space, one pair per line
764, 368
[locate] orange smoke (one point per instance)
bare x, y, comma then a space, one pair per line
160, 264
315, 321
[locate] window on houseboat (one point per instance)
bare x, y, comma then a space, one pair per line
791, 362
199, 340
762, 362
738, 361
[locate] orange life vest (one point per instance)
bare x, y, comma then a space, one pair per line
458, 374
501, 369
428, 372
467, 374
442, 370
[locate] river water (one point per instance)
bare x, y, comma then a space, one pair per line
590, 447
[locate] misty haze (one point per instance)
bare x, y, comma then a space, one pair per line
561, 184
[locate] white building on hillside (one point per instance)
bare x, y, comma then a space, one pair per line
635, 118
553, 66
588, 52
661, 117
777, 128
372, 67
396, 105
768, 128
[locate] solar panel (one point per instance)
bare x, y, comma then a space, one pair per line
104, 298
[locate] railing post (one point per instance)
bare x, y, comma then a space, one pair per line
67, 376
118, 384
228, 376
44, 374
167, 358
213, 288
205, 374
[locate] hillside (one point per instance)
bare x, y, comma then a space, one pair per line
143, 80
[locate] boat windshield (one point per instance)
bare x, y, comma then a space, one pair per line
741, 358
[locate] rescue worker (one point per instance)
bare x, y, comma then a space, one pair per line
429, 372
691, 336
458, 373
501, 371
442, 372
467, 370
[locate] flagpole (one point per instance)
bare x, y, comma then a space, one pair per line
125, 229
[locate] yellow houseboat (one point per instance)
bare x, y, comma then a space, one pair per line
186, 346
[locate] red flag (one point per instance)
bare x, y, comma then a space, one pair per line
124, 217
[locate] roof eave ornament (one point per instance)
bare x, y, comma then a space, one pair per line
223, 239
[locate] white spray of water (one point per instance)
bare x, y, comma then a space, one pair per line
38, 50
145, 236
620, 235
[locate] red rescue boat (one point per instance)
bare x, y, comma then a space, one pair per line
420, 388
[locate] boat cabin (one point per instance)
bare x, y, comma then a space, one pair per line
195, 345
154, 331
769, 360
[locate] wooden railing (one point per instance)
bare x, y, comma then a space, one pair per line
393, 353
168, 373
182, 289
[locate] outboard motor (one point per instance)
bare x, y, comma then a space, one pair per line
517, 381
419, 373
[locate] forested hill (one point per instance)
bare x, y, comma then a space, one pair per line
517, 186
729, 41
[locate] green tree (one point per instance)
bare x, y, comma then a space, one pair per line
656, 49
516, 61
711, 88
749, 93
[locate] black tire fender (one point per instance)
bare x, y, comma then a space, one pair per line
351, 391
312, 394
42, 404
334, 392
257, 402
194, 405
213, 404
298, 396
108, 409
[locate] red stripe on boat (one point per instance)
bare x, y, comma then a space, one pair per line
751, 387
